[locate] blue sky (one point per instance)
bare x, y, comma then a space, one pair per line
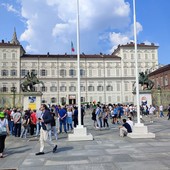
50, 25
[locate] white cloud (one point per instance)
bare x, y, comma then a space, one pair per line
10, 8
51, 25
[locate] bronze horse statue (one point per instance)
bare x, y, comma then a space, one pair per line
145, 82
29, 84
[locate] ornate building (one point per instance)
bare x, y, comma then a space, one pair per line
104, 78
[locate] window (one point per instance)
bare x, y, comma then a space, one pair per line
108, 73
125, 71
118, 99
82, 88
90, 88
99, 72
126, 99
43, 72
124, 55
4, 56
82, 99
146, 56
53, 100
99, 88
13, 56
4, 89
139, 56
34, 71
126, 86
133, 72
166, 80
72, 72
82, 73
132, 56
72, 88
23, 72
90, 73
118, 86
162, 81
53, 89
109, 88
153, 56
43, 89
62, 73
4, 72
117, 72
63, 88
63, 100
13, 72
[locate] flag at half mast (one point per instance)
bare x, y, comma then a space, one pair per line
72, 47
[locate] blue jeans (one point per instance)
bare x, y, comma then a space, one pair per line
11, 127
161, 114
63, 122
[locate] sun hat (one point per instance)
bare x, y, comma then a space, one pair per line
2, 115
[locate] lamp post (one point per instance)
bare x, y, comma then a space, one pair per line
13, 90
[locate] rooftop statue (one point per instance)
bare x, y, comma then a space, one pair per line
145, 82
28, 85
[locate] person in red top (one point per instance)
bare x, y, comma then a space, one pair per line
33, 121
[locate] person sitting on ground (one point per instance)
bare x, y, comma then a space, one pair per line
125, 129
130, 122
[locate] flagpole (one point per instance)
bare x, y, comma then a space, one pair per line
78, 66
136, 63
80, 132
139, 130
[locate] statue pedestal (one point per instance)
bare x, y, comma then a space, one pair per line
80, 134
145, 97
140, 131
32, 100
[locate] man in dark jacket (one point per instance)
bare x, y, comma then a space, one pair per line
45, 121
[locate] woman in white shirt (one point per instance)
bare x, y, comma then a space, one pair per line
4, 131
69, 118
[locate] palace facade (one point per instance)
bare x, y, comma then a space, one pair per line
104, 78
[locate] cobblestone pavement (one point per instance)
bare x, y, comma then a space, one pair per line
107, 151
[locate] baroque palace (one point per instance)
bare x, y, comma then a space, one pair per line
104, 78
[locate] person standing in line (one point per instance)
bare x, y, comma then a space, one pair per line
53, 126
45, 121
75, 116
62, 118
69, 118
17, 122
4, 131
161, 110
33, 121
151, 112
99, 115
94, 118
38, 115
105, 116
25, 124
168, 112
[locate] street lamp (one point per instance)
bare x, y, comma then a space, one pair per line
13, 90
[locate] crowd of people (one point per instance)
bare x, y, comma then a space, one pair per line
56, 119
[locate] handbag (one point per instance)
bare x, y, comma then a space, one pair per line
3, 130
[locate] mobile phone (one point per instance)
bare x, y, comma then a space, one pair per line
39, 118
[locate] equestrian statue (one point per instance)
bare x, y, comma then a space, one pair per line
145, 82
30, 81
